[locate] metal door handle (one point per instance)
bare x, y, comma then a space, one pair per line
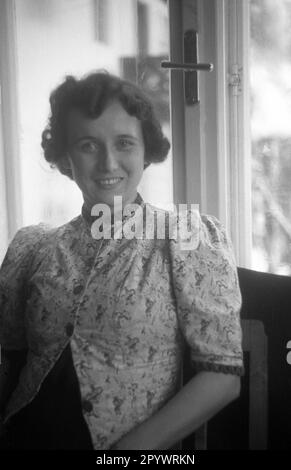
188, 67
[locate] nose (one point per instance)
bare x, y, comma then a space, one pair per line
108, 161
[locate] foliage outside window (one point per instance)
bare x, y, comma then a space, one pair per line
270, 80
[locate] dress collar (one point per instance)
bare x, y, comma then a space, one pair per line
89, 219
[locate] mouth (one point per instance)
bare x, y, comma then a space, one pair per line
109, 183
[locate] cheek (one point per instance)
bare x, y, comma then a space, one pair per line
137, 162
136, 170
81, 167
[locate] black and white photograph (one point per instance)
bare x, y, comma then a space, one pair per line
145, 228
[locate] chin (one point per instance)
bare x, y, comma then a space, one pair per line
105, 199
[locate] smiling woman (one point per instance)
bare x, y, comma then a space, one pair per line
106, 155
103, 133
114, 315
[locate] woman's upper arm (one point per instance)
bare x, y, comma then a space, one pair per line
209, 300
13, 278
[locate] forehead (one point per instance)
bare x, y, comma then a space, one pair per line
114, 120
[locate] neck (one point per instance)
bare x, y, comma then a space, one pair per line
87, 208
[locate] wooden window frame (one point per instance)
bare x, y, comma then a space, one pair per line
10, 193
211, 140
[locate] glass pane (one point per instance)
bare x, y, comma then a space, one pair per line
270, 76
56, 38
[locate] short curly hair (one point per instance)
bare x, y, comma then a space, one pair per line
90, 95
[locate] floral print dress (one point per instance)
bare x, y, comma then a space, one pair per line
128, 307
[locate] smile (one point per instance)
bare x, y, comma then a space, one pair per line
109, 182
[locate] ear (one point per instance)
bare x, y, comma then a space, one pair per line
65, 166
66, 163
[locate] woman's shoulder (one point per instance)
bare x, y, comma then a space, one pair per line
201, 237
30, 234
25, 240
214, 228
33, 239
186, 228
184, 213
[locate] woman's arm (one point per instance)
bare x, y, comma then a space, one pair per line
200, 399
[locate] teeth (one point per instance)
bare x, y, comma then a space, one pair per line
110, 181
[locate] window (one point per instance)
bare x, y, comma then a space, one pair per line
270, 85
56, 38
102, 16
253, 129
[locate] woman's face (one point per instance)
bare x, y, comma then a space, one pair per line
106, 154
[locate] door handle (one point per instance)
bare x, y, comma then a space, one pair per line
190, 67
186, 67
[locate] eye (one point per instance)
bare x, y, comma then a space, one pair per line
88, 146
124, 144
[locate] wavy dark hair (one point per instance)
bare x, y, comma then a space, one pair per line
90, 95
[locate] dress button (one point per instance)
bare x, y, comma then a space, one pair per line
87, 406
69, 329
77, 290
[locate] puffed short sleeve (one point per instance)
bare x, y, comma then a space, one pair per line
14, 273
208, 297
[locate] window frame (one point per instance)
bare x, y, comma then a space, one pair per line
233, 111
217, 167
10, 195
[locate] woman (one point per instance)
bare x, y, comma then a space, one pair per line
124, 308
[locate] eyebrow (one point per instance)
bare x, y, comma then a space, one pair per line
91, 137
85, 137
128, 136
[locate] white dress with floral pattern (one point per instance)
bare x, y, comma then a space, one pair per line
128, 307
